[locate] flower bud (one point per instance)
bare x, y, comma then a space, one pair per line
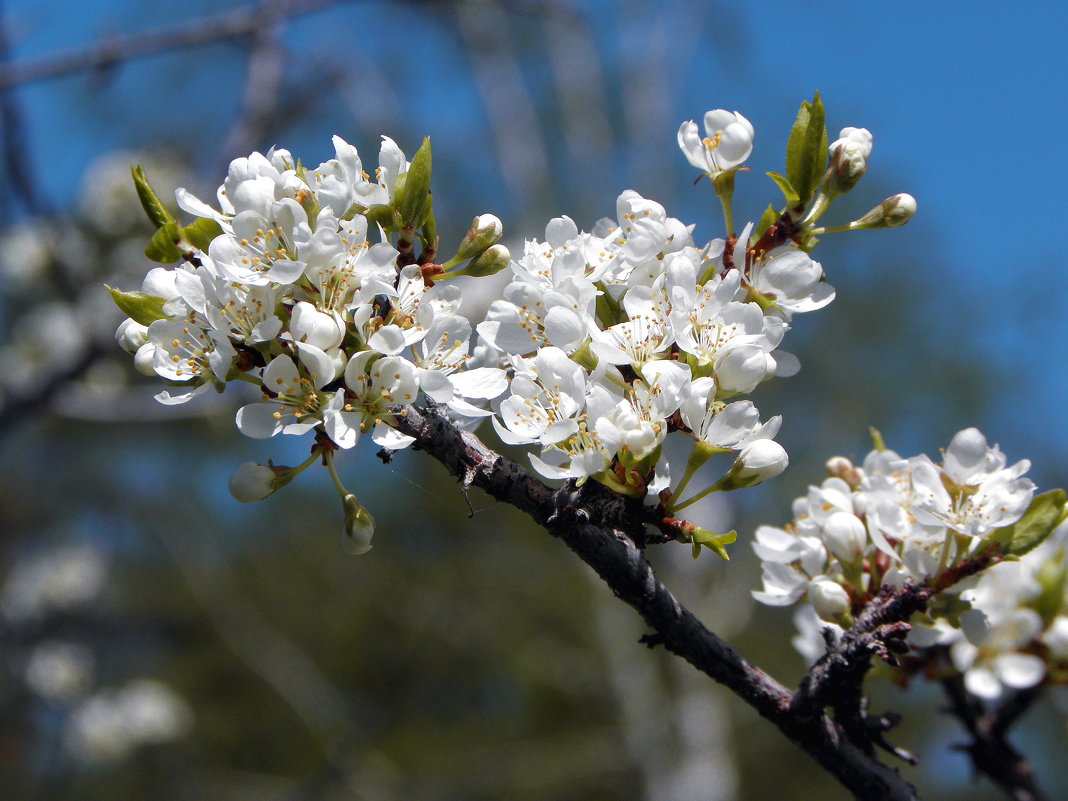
758, 461
849, 159
254, 482
145, 359
895, 210
843, 468
308, 324
359, 526
845, 536
131, 335
485, 230
490, 262
828, 598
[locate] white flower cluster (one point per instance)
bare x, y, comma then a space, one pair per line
619, 335
889, 521
894, 519
300, 294
1015, 633
306, 283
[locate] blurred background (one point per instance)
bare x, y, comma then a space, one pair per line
160, 640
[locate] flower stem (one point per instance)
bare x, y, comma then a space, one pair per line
695, 498
328, 456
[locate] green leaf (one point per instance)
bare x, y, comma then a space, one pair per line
1046, 512
163, 246
712, 541
806, 149
607, 308
200, 232
1052, 577
767, 219
141, 308
379, 215
786, 188
150, 202
413, 201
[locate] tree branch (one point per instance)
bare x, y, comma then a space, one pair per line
599, 527
991, 752
117, 49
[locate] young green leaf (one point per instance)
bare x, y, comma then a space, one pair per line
163, 246
806, 149
788, 191
200, 232
141, 308
150, 202
765, 222
712, 541
1046, 512
413, 198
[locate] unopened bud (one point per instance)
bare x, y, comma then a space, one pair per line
828, 598
845, 536
254, 482
359, 526
485, 230
490, 262
321, 329
131, 335
849, 160
843, 468
758, 461
145, 359
894, 211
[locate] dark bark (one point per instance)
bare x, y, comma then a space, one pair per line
595, 524
991, 753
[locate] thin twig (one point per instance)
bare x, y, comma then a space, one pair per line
114, 50
991, 753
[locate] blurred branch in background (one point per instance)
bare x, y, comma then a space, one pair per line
109, 52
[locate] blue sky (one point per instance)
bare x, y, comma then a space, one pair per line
965, 101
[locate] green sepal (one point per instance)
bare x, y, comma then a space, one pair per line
806, 149
1046, 512
200, 232
714, 542
606, 307
787, 189
382, 214
412, 196
155, 210
163, 246
139, 307
767, 219
1052, 577
585, 357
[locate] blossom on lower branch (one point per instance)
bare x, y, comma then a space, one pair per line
893, 520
